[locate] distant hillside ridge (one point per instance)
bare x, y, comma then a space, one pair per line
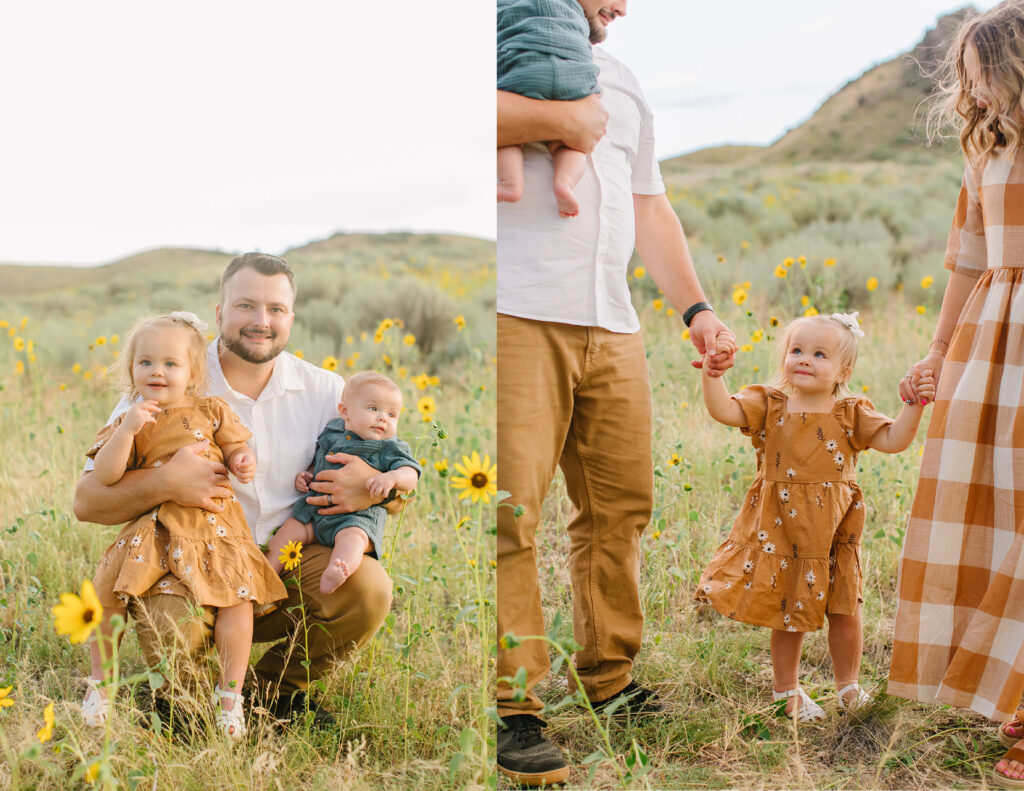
876, 117
186, 264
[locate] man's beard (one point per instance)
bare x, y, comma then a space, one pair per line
237, 346
598, 31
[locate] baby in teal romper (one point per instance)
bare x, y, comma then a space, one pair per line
544, 53
368, 422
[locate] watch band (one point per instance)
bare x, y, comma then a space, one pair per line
693, 310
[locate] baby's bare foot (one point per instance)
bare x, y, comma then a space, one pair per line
568, 206
334, 576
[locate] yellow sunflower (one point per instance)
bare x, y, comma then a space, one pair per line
5, 699
478, 480
46, 732
330, 363
291, 554
77, 616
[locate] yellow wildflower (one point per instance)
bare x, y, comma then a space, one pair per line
291, 555
872, 283
426, 405
927, 281
19, 344
76, 616
830, 262
673, 460
921, 309
781, 271
5, 699
46, 732
639, 272
330, 363
788, 262
478, 480
460, 322
409, 339
811, 311
298, 353
757, 336
805, 300
658, 304
100, 341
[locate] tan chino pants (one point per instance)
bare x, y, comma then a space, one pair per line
577, 397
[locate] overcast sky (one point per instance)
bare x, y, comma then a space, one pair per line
745, 71
258, 125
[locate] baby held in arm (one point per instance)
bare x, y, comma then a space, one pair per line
366, 427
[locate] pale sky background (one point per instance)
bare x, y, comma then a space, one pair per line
745, 71
259, 126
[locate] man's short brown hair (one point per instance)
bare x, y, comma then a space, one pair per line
261, 262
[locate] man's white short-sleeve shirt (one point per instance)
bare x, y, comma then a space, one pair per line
294, 407
573, 270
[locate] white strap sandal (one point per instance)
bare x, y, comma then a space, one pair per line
95, 706
231, 723
859, 700
807, 711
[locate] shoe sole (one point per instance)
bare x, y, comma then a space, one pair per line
550, 778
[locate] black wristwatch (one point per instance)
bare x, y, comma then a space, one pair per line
693, 310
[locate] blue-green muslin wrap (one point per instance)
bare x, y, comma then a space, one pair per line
544, 50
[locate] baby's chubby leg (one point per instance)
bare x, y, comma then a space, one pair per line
291, 530
510, 174
569, 166
350, 544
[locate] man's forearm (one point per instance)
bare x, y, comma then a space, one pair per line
661, 243
578, 124
137, 492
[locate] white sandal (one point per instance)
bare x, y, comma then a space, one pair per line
860, 700
231, 723
95, 707
808, 711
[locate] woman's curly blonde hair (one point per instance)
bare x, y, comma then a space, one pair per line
998, 37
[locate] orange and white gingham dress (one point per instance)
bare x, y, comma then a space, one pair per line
959, 632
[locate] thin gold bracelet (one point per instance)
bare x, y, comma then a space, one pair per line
944, 343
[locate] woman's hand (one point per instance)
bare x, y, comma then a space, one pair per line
929, 368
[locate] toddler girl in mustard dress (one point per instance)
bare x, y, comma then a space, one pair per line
793, 555
209, 558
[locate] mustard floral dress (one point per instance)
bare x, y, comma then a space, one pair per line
794, 551
209, 558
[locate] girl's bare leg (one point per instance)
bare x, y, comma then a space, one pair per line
350, 544
786, 664
569, 166
291, 530
104, 632
510, 174
232, 633
845, 646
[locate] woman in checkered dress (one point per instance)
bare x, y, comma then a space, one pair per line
959, 631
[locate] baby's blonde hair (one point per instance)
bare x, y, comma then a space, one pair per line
998, 37
123, 379
847, 351
360, 380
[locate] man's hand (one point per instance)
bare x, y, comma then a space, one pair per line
192, 480
346, 487
302, 481
586, 123
578, 124
715, 341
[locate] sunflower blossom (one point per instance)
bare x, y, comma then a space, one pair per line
5, 699
46, 732
291, 554
478, 480
77, 616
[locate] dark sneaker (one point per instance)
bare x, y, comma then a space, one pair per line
640, 702
292, 708
526, 756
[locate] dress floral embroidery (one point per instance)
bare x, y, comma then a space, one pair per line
794, 551
161, 551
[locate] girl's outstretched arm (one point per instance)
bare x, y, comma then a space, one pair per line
898, 435
719, 403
